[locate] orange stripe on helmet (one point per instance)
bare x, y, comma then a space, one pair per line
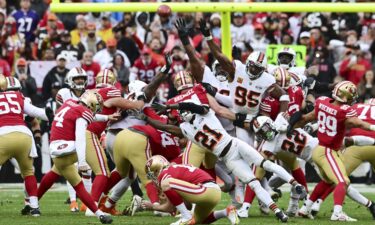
260, 58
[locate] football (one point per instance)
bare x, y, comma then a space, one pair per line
164, 11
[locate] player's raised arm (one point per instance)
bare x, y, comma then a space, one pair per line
226, 63
150, 89
197, 69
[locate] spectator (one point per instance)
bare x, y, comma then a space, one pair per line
215, 21
241, 33
66, 48
105, 56
48, 36
13, 42
56, 74
144, 68
122, 72
4, 67
80, 31
40, 6
28, 83
127, 43
142, 21
354, 66
49, 55
366, 88
27, 20
92, 69
286, 39
105, 31
258, 41
157, 51
91, 42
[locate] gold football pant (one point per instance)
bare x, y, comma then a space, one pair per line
95, 155
132, 149
355, 155
197, 156
17, 145
331, 165
205, 198
65, 166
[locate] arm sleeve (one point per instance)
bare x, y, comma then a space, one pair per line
34, 111
363, 140
224, 100
81, 125
101, 118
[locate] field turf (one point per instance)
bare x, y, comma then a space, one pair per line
55, 212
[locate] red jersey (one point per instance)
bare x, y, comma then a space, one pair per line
271, 105
64, 123
11, 108
106, 93
91, 70
186, 173
366, 113
197, 93
143, 72
331, 121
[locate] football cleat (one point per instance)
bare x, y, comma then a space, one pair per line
136, 204
35, 212
83, 207
292, 209
112, 210
74, 206
161, 214
232, 215
105, 219
341, 216
316, 207
183, 221
299, 189
305, 212
243, 212
26, 210
281, 216
372, 210
263, 208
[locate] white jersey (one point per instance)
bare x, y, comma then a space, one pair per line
247, 93
300, 144
222, 88
297, 73
207, 132
65, 94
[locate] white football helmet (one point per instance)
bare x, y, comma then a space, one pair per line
264, 128
220, 74
13, 84
136, 86
256, 64
286, 57
76, 72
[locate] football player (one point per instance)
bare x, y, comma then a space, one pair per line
203, 128
17, 140
184, 183
334, 116
68, 145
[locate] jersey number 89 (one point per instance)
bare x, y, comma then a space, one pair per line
327, 124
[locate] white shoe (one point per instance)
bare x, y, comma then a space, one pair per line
243, 212
316, 207
232, 215
161, 214
341, 216
305, 212
184, 221
136, 204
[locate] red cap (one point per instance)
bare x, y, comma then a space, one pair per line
21, 62
258, 26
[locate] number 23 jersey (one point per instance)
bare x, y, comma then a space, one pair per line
247, 93
207, 132
331, 122
300, 144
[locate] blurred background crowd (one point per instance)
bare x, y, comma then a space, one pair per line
39, 47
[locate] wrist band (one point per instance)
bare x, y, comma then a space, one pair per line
209, 38
372, 127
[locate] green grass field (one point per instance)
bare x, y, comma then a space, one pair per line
55, 212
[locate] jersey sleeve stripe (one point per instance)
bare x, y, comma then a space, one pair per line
87, 116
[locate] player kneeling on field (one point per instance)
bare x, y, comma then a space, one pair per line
184, 183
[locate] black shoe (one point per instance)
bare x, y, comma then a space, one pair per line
26, 210
372, 210
35, 212
67, 201
104, 219
278, 191
281, 216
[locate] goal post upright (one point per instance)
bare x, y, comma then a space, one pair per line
225, 8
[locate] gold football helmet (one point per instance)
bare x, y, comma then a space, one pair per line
345, 92
105, 78
3, 83
93, 100
154, 166
282, 77
183, 80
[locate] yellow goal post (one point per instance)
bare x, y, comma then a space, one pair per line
225, 8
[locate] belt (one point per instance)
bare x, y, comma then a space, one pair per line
225, 150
